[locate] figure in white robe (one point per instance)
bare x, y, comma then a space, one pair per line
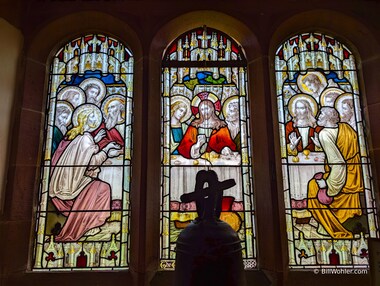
74, 188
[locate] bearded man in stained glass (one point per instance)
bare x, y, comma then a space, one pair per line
113, 110
334, 197
302, 130
206, 134
113, 130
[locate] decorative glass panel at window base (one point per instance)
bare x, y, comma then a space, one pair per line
329, 200
205, 125
82, 219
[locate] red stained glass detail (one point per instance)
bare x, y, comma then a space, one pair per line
50, 257
112, 256
88, 38
194, 110
334, 258
227, 203
346, 54
363, 253
77, 42
203, 95
60, 56
280, 54
173, 48
331, 41
218, 106
82, 260
235, 49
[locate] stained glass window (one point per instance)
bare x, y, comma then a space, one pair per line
205, 126
82, 218
328, 185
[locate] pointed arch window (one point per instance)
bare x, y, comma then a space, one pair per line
83, 212
205, 69
328, 186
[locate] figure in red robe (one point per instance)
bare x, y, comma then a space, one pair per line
112, 119
206, 134
302, 132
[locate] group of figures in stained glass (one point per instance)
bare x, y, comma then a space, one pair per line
329, 199
83, 213
205, 127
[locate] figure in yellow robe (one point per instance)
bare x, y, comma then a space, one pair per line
334, 197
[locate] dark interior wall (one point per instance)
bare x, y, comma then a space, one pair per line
148, 27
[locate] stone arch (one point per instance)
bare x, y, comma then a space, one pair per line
358, 36
256, 61
31, 105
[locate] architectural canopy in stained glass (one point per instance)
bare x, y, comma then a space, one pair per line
83, 212
205, 126
327, 180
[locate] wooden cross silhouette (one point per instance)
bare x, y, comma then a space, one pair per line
208, 199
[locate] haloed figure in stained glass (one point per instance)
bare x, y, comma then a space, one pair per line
348, 112
73, 97
62, 120
345, 107
178, 111
76, 191
314, 84
231, 113
94, 90
333, 196
301, 131
92, 93
206, 134
114, 113
112, 127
